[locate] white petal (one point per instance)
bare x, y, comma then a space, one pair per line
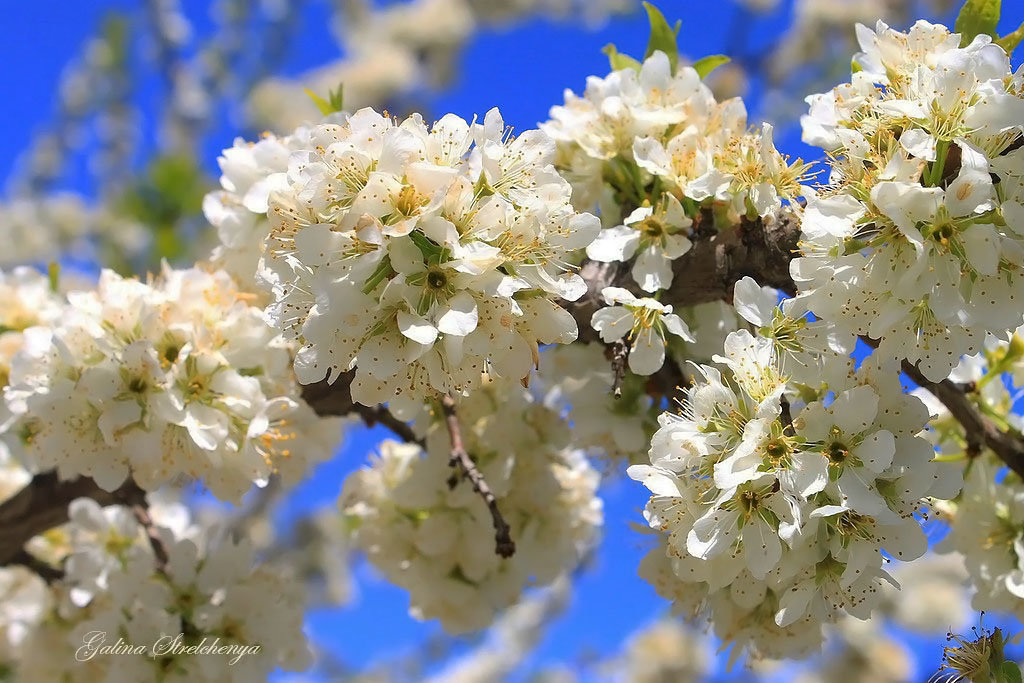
652, 270
612, 322
982, 244
652, 157
675, 325
657, 480
793, 604
809, 473
647, 354
877, 450
857, 495
614, 244
918, 143
712, 533
854, 410
461, 317
416, 328
754, 303
761, 547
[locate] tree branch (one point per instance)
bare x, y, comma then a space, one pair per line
618, 354
978, 428
45, 571
336, 399
759, 248
43, 504
503, 544
141, 513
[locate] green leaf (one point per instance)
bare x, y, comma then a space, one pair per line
1010, 41
977, 17
335, 101
53, 273
1009, 672
337, 97
706, 65
166, 196
619, 60
663, 36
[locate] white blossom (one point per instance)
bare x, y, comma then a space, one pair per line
913, 243
644, 323
433, 539
420, 256
214, 593
178, 377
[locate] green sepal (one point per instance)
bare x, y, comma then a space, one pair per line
663, 36
1008, 672
705, 65
619, 60
977, 17
335, 101
1010, 41
426, 246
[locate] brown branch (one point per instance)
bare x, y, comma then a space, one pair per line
336, 399
43, 504
47, 572
760, 248
978, 428
460, 460
617, 353
787, 417
381, 415
141, 513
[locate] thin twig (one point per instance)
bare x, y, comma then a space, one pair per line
618, 353
460, 460
141, 513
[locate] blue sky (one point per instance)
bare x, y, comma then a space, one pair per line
522, 69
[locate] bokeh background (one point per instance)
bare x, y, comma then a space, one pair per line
116, 112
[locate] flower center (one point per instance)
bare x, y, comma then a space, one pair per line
776, 450
653, 228
837, 453
437, 279
409, 201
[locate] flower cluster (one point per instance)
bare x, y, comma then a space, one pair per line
778, 499
987, 527
116, 590
577, 379
917, 240
655, 139
179, 376
421, 256
27, 300
250, 171
428, 534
